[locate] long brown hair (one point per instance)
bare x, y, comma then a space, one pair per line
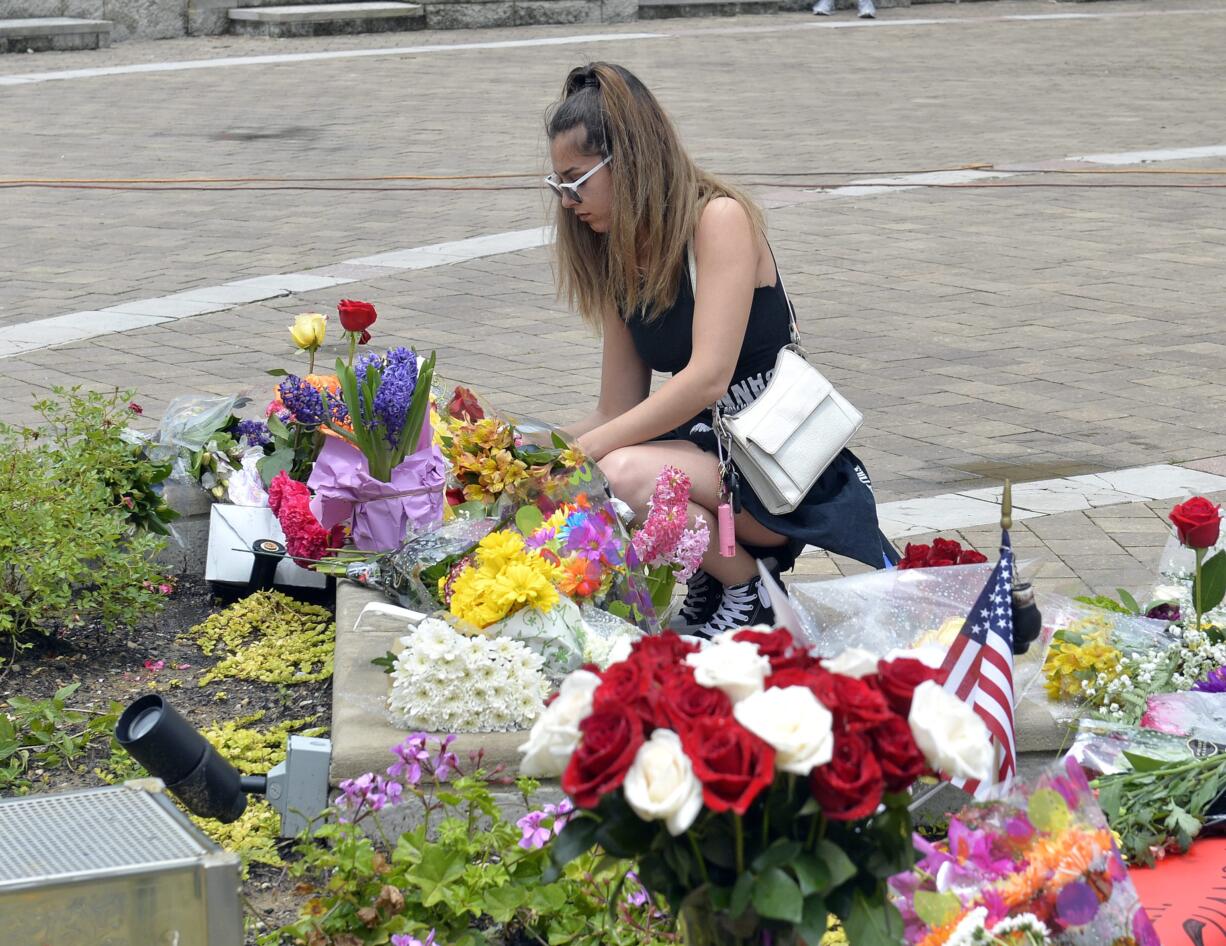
658, 195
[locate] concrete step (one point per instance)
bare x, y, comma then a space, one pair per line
671, 9
326, 19
47, 33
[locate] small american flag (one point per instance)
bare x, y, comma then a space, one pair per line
979, 670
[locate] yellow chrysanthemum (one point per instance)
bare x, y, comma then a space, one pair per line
499, 548
521, 585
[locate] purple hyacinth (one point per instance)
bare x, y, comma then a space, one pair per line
303, 401
255, 432
1214, 682
397, 382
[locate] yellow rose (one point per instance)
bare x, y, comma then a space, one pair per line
308, 330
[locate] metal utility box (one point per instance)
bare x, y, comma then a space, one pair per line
116, 866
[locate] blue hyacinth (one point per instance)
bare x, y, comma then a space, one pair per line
397, 382
302, 400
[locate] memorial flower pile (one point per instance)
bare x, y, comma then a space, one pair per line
751, 773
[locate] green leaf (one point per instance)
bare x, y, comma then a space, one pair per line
776, 896
782, 852
870, 924
812, 875
837, 863
1110, 794
741, 894
502, 902
418, 408
276, 427
936, 909
1128, 601
1141, 763
277, 372
1212, 586
438, 869
813, 923
387, 662
558, 440
528, 519
274, 463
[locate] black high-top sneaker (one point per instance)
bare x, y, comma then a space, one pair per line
742, 606
702, 597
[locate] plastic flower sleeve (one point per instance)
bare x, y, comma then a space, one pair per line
1044, 852
1194, 715
187, 424
409, 575
1103, 748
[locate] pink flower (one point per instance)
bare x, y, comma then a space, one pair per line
305, 539
665, 524
154, 665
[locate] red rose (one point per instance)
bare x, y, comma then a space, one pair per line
896, 752
915, 556
850, 785
946, 548
682, 701
858, 704
935, 562
135, 408
608, 743
356, 316
1198, 522
624, 688
778, 646
898, 678
971, 557
661, 654
464, 404
814, 678
733, 764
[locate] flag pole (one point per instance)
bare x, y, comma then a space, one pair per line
1006, 507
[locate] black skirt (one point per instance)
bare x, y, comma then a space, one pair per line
839, 514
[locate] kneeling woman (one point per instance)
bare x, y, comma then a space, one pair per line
631, 205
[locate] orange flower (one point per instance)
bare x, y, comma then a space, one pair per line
579, 577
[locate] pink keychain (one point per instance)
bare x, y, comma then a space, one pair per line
727, 531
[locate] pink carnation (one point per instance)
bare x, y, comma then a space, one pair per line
305, 539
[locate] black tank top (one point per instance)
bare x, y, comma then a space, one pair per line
667, 342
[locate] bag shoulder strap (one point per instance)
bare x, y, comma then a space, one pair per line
793, 328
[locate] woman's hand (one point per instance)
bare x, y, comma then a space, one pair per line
591, 445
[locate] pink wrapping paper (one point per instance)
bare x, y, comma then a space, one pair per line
381, 513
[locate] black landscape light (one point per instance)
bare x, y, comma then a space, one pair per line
171, 749
267, 556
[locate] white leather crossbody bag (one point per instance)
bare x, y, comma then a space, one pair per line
787, 437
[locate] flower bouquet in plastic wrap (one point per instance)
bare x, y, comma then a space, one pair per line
1107, 663
1039, 866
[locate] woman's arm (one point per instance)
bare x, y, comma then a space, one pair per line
726, 257
625, 378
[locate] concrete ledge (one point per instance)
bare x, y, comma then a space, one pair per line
362, 737
324, 12
53, 33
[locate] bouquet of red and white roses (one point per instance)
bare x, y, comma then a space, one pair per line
759, 788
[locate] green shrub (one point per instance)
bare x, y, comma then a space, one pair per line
71, 547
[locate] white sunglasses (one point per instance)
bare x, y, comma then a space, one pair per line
563, 189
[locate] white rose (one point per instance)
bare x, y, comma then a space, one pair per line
794, 723
853, 662
555, 733
735, 667
953, 739
660, 784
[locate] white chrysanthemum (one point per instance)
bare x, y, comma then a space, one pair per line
446, 682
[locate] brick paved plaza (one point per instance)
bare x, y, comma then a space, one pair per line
1064, 318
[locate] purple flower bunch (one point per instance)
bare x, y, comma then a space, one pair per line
589, 534
404, 939
255, 432
367, 793
302, 400
539, 827
397, 373
414, 761
1214, 682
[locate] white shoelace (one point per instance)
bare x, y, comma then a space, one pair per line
734, 610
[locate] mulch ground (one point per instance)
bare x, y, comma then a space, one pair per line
119, 666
